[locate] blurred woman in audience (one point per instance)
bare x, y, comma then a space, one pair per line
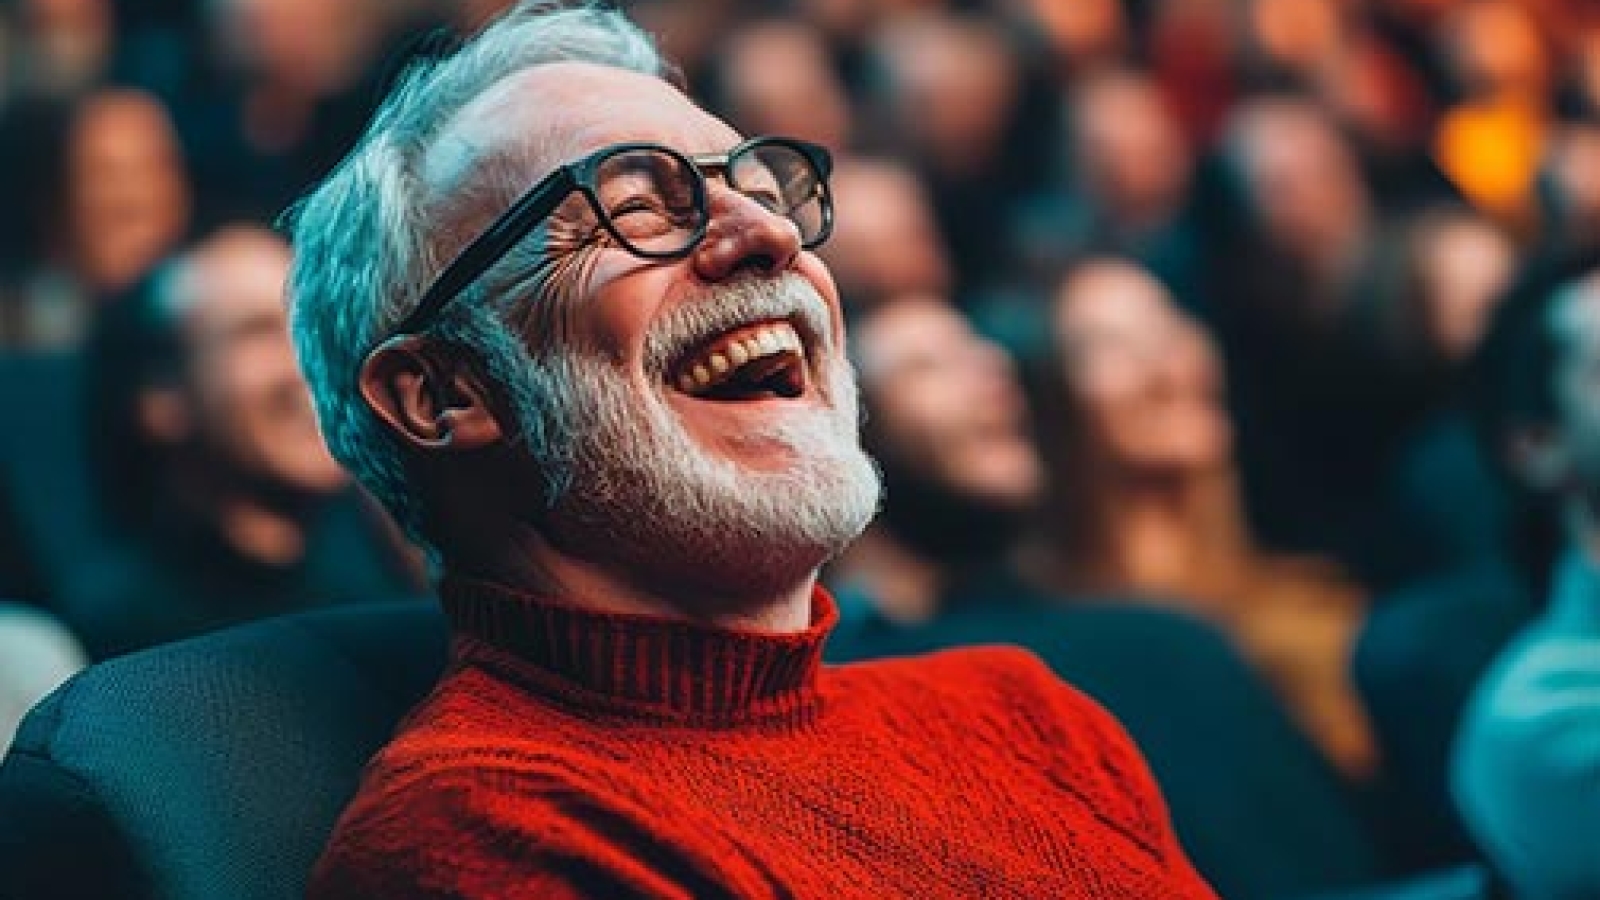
105, 194
1144, 499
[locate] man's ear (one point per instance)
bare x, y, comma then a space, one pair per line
1538, 456
430, 394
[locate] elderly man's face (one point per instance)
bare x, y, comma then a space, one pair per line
701, 409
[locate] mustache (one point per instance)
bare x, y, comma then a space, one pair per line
730, 306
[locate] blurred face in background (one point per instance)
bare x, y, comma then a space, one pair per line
1463, 263
885, 239
128, 193
1129, 153
945, 403
1495, 47
248, 405
778, 79
1303, 181
67, 43
1080, 32
953, 87
315, 47
1141, 377
1572, 170
1296, 35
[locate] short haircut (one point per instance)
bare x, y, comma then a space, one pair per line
363, 238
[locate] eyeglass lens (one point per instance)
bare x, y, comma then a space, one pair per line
651, 200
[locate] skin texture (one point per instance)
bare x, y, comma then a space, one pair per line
599, 304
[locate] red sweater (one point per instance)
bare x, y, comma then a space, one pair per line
572, 754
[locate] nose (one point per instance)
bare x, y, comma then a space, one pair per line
744, 236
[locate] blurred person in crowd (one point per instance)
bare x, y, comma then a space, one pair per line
1382, 98
105, 194
886, 241
947, 423
775, 76
206, 449
1570, 181
1427, 644
36, 655
1315, 432
1489, 142
1528, 750
1192, 48
1126, 188
1079, 37
1451, 267
622, 417
1289, 42
277, 96
58, 49
1144, 499
958, 101
1303, 193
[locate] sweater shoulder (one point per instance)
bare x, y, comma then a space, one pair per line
1005, 701
999, 676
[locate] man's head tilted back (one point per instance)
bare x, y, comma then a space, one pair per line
569, 328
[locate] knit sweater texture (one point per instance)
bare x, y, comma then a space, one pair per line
573, 754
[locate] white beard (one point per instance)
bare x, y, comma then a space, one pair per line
641, 496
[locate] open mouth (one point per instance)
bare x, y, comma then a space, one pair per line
765, 360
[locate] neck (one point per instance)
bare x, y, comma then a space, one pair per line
261, 534
529, 563
260, 527
1170, 533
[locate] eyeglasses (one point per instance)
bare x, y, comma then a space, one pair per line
652, 200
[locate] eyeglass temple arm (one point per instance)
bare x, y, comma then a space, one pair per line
487, 249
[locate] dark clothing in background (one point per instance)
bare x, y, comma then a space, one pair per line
1421, 653
183, 579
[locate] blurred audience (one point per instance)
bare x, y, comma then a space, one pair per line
886, 241
1528, 751
206, 449
103, 183
776, 76
947, 425
1144, 499
59, 49
1317, 202
1427, 645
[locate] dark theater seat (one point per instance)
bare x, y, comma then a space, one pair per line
210, 768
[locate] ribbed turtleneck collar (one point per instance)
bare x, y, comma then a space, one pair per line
646, 666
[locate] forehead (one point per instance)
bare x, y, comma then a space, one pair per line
237, 287
1109, 295
555, 113
906, 330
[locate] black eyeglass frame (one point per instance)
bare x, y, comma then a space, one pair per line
540, 201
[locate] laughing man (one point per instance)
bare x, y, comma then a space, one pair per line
569, 327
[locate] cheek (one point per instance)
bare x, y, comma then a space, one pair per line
598, 300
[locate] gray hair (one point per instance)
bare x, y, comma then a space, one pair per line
364, 238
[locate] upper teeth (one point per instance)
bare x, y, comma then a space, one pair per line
724, 356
